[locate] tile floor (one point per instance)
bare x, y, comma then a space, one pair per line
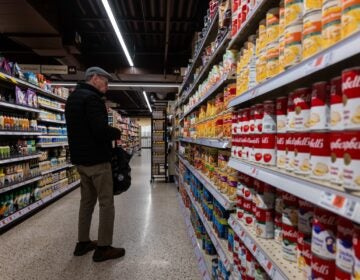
148, 224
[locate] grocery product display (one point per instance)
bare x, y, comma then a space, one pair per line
34, 163
268, 130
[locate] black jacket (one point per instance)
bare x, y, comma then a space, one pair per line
89, 134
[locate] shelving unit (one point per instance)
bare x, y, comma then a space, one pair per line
159, 165
215, 143
33, 140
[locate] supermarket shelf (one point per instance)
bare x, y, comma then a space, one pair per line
18, 107
51, 121
220, 245
321, 194
16, 81
21, 133
55, 169
214, 89
17, 159
251, 24
221, 198
43, 145
215, 143
221, 48
52, 108
339, 52
18, 185
204, 260
267, 252
37, 205
196, 58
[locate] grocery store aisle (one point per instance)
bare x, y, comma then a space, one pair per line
148, 224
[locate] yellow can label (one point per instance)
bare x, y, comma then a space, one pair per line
331, 25
293, 11
350, 17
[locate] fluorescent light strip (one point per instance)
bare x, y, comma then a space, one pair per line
117, 31
135, 85
147, 101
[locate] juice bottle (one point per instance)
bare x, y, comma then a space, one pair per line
6, 123
12, 122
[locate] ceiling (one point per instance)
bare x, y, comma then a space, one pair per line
158, 34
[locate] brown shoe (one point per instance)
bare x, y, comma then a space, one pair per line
84, 247
107, 253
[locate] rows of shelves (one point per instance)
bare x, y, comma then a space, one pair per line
20, 158
37, 205
267, 252
19, 107
204, 261
221, 198
20, 184
220, 245
326, 195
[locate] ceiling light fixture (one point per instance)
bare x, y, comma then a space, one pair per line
122, 85
147, 101
117, 31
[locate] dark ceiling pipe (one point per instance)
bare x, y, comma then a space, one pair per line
168, 10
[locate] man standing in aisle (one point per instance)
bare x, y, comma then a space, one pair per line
90, 139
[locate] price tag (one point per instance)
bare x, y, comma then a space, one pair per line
338, 204
318, 63
254, 172
253, 93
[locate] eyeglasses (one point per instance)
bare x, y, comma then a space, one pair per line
104, 79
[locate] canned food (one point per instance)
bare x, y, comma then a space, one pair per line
344, 257
310, 5
259, 115
320, 160
302, 103
281, 53
337, 161
278, 228
350, 17
293, 11
290, 120
322, 268
351, 97
239, 204
300, 248
323, 234
262, 35
246, 121
261, 62
331, 23
235, 26
279, 203
350, 141
272, 58
265, 195
320, 106
293, 45
264, 226
248, 212
302, 154
311, 36
268, 152
281, 17
336, 107
289, 242
255, 148
290, 156
272, 26
252, 119
356, 252
306, 213
306, 253
281, 151
269, 120
281, 114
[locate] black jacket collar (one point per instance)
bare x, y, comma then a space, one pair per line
82, 85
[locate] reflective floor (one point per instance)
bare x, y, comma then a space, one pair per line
148, 224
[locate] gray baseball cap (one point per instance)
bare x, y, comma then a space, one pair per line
98, 71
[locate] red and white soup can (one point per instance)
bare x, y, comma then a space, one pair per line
281, 151
268, 151
302, 153
336, 107
302, 103
264, 195
320, 161
246, 121
264, 226
252, 119
351, 97
356, 252
320, 106
351, 171
337, 158
281, 113
322, 268
259, 115
278, 228
306, 214
269, 120
290, 156
289, 242
290, 120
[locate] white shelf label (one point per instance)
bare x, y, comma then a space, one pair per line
318, 63
340, 204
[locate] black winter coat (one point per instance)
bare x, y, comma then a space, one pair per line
89, 134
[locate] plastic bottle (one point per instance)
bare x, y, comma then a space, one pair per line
2, 122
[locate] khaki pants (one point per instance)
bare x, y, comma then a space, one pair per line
96, 183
